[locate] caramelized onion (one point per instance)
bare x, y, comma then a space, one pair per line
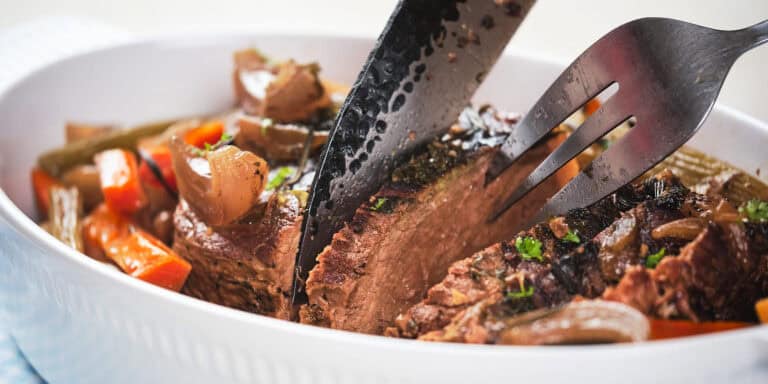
579, 322
726, 213
686, 229
221, 187
286, 92
281, 142
86, 179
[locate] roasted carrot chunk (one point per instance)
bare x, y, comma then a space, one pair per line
591, 107
667, 329
101, 227
161, 156
208, 133
762, 310
143, 256
119, 176
41, 184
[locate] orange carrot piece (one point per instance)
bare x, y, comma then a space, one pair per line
591, 107
119, 175
101, 227
208, 133
41, 184
143, 256
762, 310
161, 155
667, 329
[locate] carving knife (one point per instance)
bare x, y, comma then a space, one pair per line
423, 70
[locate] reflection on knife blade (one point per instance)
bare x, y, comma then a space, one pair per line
422, 72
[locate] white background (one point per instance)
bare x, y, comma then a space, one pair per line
555, 28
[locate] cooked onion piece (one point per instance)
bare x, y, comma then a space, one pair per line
85, 178
221, 185
285, 92
580, 322
79, 131
281, 142
686, 229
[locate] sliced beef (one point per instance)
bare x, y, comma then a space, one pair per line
620, 226
247, 265
431, 214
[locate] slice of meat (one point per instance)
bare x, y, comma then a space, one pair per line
247, 265
621, 225
432, 214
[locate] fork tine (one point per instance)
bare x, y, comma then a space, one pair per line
606, 118
639, 150
572, 89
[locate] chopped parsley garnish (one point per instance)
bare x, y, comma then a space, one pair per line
572, 237
279, 179
378, 204
529, 248
522, 293
207, 147
653, 260
755, 211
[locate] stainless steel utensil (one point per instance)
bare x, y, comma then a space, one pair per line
669, 74
426, 65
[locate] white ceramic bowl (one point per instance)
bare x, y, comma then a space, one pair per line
79, 321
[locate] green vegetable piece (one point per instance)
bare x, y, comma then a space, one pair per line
529, 248
572, 237
58, 161
279, 179
653, 260
522, 294
378, 204
755, 211
225, 138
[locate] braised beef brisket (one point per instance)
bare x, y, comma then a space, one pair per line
499, 282
432, 213
247, 265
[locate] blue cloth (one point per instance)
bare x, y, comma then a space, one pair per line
14, 369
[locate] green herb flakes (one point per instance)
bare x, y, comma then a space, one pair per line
572, 237
279, 179
378, 204
523, 293
755, 211
529, 248
653, 260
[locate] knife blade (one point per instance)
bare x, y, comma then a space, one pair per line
423, 70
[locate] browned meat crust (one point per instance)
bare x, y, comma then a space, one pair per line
387, 257
247, 265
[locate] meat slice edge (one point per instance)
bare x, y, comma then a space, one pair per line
247, 265
384, 260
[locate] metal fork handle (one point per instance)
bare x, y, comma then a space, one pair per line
753, 36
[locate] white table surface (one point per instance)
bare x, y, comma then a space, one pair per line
556, 28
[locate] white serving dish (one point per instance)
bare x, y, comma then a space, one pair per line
79, 321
